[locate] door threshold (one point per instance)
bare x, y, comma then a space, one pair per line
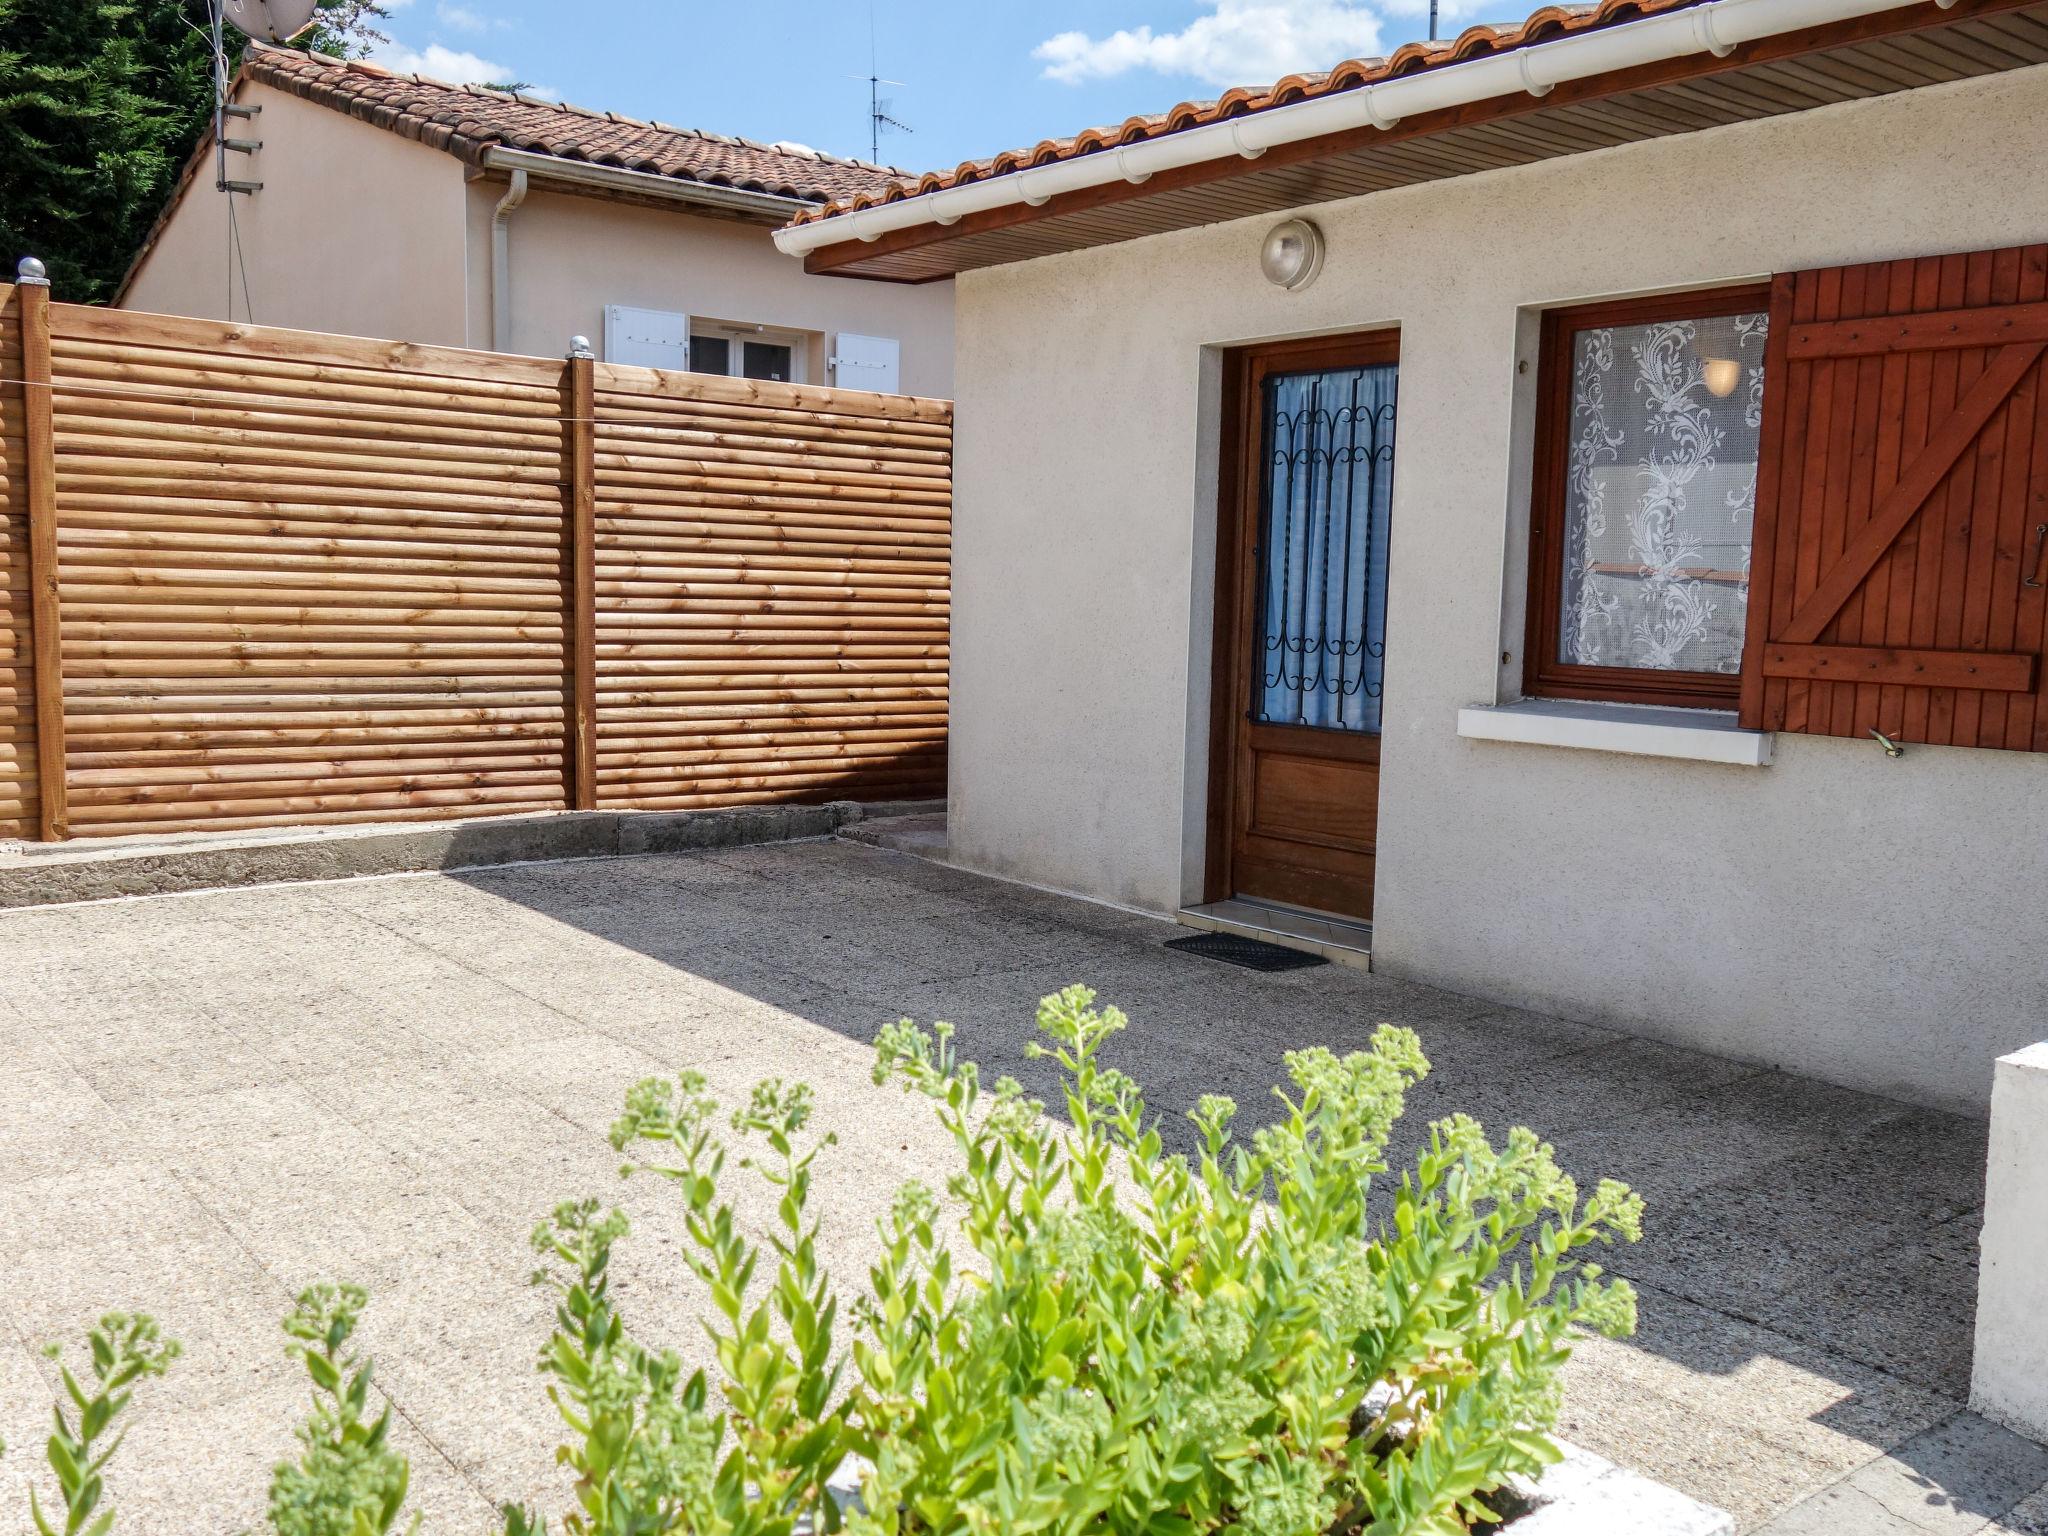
1342, 939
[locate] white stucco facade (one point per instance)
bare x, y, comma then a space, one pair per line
363, 232
1869, 920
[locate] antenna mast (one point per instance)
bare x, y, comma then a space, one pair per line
879, 117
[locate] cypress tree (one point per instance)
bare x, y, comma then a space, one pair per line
101, 103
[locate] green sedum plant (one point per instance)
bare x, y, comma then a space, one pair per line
347, 1480
1083, 1333
125, 1349
643, 1448
1157, 1344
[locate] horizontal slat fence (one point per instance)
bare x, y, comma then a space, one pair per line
311, 579
771, 593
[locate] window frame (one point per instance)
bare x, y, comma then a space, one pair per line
1543, 675
737, 334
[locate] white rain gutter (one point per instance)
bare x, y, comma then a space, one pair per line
1717, 27
648, 184
501, 262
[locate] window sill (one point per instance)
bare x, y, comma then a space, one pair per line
1699, 735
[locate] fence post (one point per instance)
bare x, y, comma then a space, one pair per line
579, 565
46, 634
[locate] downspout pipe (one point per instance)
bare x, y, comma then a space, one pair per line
501, 262
1717, 28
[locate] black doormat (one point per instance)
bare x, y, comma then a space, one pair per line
1252, 954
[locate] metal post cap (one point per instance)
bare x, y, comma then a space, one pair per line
31, 270
579, 346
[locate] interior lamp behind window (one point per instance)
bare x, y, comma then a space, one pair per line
1720, 375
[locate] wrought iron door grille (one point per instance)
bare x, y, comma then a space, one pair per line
1324, 506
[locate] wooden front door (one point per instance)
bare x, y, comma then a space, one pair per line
1301, 634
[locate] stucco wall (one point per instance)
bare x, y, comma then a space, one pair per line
356, 231
1872, 921
571, 256
363, 232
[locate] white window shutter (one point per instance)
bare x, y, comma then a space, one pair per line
867, 362
646, 338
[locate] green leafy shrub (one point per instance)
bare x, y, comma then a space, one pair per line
347, 1481
1121, 1341
1168, 1345
125, 1349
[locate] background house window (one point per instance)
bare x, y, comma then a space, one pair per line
1650, 418
768, 360
747, 352
711, 354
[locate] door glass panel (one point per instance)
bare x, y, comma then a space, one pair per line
1323, 521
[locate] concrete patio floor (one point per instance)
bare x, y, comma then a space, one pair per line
214, 1099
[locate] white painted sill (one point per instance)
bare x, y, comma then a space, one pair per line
1699, 735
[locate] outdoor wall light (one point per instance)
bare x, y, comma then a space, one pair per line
1292, 254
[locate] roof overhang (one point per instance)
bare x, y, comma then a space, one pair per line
1698, 66
584, 177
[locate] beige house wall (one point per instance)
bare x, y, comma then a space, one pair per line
356, 231
1872, 921
572, 255
364, 232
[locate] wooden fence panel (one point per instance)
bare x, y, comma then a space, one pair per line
305, 579
773, 580
17, 664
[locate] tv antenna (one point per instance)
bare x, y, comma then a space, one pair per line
880, 117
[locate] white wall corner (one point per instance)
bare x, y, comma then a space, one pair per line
2009, 1381
1201, 631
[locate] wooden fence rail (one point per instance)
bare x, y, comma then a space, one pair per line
260, 577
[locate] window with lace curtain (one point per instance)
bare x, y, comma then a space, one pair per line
1650, 413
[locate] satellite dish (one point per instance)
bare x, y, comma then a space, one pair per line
269, 21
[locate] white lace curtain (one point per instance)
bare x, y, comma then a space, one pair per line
1323, 548
1660, 492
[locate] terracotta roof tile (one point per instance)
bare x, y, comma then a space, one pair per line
467, 120
1474, 42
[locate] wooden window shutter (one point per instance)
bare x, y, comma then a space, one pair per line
1896, 580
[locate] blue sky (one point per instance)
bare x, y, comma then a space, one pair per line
981, 75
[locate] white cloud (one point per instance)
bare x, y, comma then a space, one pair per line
458, 67
463, 18
1240, 42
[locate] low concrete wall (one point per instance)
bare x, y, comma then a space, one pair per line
43, 876
2009, 1382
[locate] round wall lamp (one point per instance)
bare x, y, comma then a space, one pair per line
1291, 255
